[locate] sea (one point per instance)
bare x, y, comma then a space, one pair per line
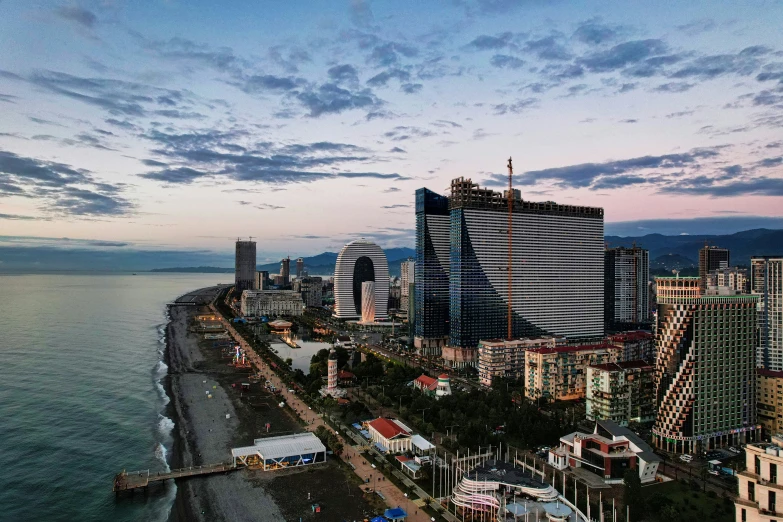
81, 363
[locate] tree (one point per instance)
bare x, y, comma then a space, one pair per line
632, 492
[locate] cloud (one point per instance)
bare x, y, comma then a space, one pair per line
395, 206
679, 114
697, 26
398, 150
18, 217
623, 55
343, 73
760, 186
446, 123
392, 189
743, 63
487, 42
381, 79
270, 83
411, 88
62, 188
548, 48
504, 61
403, 133
78, 15
673, 87
516, 107
595, 32
331, 99
8, 98
361, 13
390, 53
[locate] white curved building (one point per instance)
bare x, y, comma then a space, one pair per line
357, 262
368, 301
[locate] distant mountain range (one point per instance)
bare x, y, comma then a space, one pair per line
667, 253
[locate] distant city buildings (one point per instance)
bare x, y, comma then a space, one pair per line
431, 293
360, 261
705, 376
257, 303
728, 280
407, 277
300, 267
761, 483
770, 401
609, 452
244, 265
711, 258
560, 373
262, 280
766, 274
285, 271
626, 276
636, 345
311, 289
622, 392
499, 358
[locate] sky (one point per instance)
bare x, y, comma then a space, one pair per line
176, 125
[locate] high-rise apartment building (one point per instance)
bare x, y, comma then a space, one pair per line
407, 276
560, 373
245, 265
299, 267
705, 375
637, 345
500, 358
556, 273
431, 322
262, 280
711, 258
285, 270
729, 280
770, 401
761, 484
622, 392
311, 289
766, 281
626, 274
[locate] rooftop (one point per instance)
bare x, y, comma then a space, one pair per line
282, 446
769, 373
623, 365
570, 349
507, 473
389, 428
631, 336
615, 430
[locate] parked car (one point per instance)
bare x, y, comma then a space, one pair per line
686, 458
713, 472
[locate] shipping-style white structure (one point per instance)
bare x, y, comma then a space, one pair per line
301, 449
360, 261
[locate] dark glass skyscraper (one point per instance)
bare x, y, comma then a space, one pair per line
431, 272
711, 258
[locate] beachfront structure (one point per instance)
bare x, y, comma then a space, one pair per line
390, 435
431, 273
557, 269
407, 277
257, 303
626, 274
636, 345
433, 387
271, 453
770, 401
492, 485
711, 258
609, 452
705, 374
506, 359
560, 373
766, 273
244, 265
357, 262
761, 484
621, 392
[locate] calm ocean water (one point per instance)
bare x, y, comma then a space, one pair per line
80, 361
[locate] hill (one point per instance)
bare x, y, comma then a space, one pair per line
323, 264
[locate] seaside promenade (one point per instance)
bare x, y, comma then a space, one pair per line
392, 495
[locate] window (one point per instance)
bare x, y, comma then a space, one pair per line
757, 460
773, 473
752, 491
772, 501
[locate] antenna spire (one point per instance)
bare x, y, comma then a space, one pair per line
509, 195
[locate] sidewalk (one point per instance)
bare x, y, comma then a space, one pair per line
391, 493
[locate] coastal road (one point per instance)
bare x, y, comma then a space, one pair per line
391, 493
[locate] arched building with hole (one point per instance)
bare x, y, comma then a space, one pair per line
360, 261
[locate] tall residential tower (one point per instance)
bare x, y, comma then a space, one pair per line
245, 265
711, 258
626, 275
766, 281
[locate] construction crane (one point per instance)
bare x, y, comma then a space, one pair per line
509, 334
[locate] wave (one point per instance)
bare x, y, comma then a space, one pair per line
165, 424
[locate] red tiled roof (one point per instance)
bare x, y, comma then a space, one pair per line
770, 373
427, 382
568, 349
343, 374
387, 428
443, 376
631, 336
622, 365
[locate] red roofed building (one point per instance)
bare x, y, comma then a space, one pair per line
432, 386
392, 434
559, 373
345, 377
636, 345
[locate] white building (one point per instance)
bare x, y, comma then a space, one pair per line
357, 262
391, 434
406, 278
256, 303
766, 281
301, 449
761, 484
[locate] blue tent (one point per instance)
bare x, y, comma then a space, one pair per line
378, 519
395, 514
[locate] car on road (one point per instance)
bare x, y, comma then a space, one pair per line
713, 472
686, 458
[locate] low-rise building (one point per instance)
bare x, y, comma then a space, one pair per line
432, 386
761, 483
390, 435
257, 303
770, 401
311, 289
560, 373
506, 359
609, 452
636, 345
621, 392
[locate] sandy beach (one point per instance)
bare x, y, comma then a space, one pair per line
204, 435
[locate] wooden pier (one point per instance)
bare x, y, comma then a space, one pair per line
141, 479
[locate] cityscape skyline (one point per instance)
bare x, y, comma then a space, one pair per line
647, 112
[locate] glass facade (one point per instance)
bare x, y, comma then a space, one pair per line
431, 271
